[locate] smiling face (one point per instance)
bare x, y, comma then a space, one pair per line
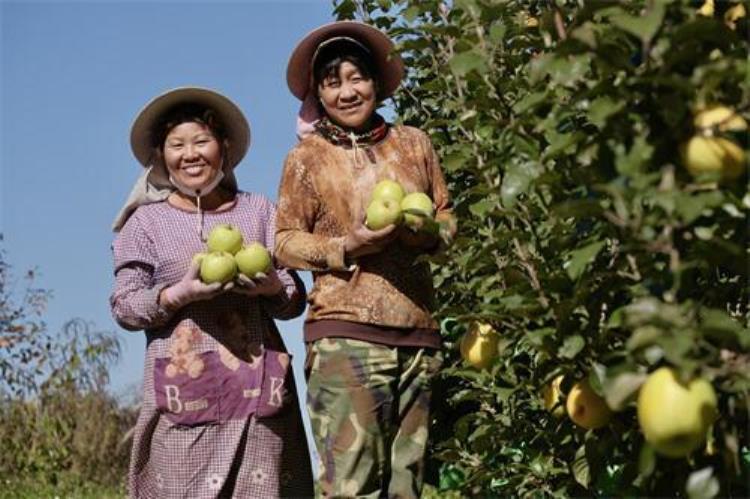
192, 154
348, 97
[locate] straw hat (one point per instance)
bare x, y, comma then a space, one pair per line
235, 124
388, 64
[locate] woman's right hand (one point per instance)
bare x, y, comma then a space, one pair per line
362, 241
191, 289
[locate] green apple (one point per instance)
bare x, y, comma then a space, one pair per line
416, 206
382, 213
218, 266
388, 189
225, 237
674, 415
198, 257
253, 259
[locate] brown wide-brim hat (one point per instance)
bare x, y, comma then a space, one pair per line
234, 122
388, 63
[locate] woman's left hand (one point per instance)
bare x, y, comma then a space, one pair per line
261, 285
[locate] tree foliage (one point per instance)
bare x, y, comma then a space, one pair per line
583, 239
59, 428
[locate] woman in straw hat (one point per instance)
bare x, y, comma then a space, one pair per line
372, 345
210, 424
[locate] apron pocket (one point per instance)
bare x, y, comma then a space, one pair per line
186, 388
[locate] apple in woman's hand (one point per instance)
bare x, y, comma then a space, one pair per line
382, 213
225, 237
417, 206
388, 189
253, 259
218, 266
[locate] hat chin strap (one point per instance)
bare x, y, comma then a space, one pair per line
197, 193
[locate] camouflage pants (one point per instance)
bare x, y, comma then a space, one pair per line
369, 409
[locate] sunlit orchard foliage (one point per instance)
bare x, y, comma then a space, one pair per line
582, 237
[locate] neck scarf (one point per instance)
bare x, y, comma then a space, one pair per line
339, 136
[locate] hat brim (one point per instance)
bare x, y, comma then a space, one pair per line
389, 64
234, 121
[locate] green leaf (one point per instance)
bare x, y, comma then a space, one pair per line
618, 390
580, 258
479, 208
465, 62
644, 336
384, 5
497, 32
602, 108
702, 484
512, 302
586, 33
632, 162
411, 13
644, 27
561, 143
572, 346
516, 181
537, 337
646, 460
581, 469
529, 101
726, 331
563, 70
690, 207
345, 10
579, 208
514, 184
454, 161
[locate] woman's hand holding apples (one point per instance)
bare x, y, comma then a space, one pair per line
263, 284
362, 241
190, 289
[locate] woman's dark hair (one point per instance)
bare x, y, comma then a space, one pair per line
188, 113
329, 59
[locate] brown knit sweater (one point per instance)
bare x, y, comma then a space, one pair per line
324, 188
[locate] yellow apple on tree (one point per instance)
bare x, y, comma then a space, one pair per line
707, 9
586, 408
253, 259
552, 395
734, 14
713, 155
478, 345
388, 189
224, 237
675, 415
218, 266
725, 119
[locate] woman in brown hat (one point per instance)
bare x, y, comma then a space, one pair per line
372, 345
211, 424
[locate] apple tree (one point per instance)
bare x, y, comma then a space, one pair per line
595, 151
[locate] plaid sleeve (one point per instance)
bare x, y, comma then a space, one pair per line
135, 298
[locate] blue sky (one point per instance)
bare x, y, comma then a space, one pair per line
74, 75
